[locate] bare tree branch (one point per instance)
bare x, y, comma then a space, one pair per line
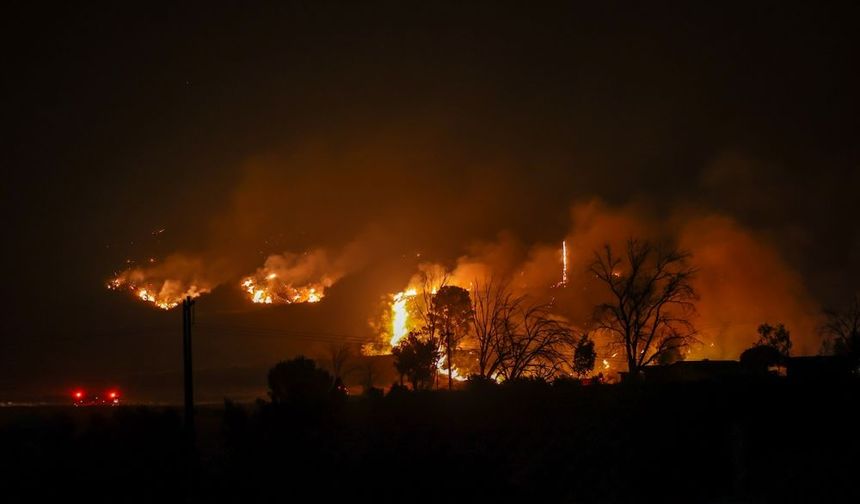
651, 301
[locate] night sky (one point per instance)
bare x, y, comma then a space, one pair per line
243, 131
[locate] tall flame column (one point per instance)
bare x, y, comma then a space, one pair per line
187, 303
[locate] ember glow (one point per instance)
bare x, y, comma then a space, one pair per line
563, 281
564, 264
606, 363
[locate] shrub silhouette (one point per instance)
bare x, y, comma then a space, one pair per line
299, 381
416, 358
760, 357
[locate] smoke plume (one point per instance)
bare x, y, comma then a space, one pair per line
741, 279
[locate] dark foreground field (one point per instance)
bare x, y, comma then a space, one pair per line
527, 442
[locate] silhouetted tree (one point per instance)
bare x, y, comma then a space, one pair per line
841, 330
583, 356
760, 358
651, 301
670, 356
339, 354
368, 370
493, 306
452, 310
530, 344
299, 381
777, 337
433, 279
415, 357
478, 383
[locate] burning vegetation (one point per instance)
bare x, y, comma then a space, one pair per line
164, 285
506, 310
444, 324
269, 289
288, 278
293, 278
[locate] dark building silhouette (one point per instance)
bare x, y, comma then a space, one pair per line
693, 371
820, 368
811, 368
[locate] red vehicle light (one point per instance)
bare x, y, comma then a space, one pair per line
111, 397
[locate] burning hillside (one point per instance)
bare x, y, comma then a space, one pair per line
731, 263
292, 278
166, 284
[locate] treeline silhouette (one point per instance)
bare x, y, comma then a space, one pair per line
760, 439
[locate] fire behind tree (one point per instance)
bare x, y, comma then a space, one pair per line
417, 310
740, 279
478, 325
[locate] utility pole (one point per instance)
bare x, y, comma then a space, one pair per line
187, 320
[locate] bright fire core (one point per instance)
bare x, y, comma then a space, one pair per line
400, 315
270, 289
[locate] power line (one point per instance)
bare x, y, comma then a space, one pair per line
318, 336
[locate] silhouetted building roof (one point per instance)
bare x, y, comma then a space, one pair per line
820, 367
812, 368
693, 371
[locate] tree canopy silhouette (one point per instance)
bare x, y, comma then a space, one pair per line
777, 337
493, 308
299, 380
841, 330
452, 310
583, 356
672, 355
651, 301
339, 355
760, 358
416, 358
531, 344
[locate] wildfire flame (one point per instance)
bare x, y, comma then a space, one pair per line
442, 369
165, 283
169, 295
270, 289
400, 320
291, 278
400, 315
